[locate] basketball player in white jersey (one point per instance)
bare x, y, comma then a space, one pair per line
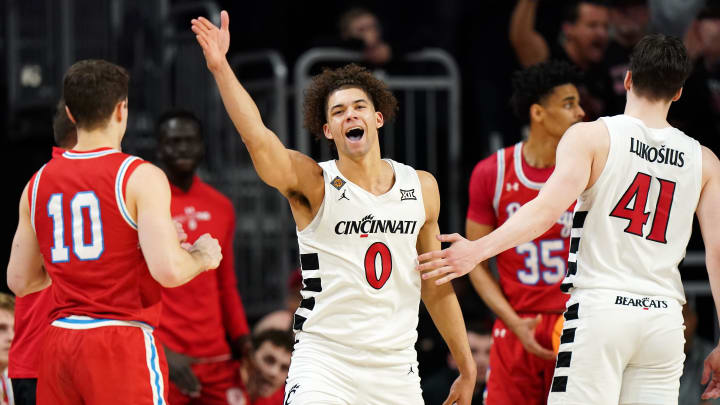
638, 182
360, 222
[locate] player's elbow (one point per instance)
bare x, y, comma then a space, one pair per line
17, 284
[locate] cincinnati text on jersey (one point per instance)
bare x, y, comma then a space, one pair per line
652, 154
369, 225
640, 302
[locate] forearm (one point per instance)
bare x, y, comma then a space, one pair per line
489, 290
442, 304
24, 285
712, 262
530, 47
522, 20
240, 106
529, 222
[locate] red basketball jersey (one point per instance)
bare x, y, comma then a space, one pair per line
88, 240
530, 274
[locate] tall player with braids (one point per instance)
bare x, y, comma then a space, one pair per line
638, 181
95, 223
360, 222
528, 300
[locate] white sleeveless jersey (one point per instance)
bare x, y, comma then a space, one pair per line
631, 228
358, 258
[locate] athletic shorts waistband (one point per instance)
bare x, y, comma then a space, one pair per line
86, 322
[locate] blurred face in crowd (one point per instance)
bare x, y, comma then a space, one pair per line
558, 110
7, 326
629, 23
352, 122
271, 368
480, 349
589, 34
366, 28
709, 32
180, 146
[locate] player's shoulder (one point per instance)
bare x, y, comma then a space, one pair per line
710, 162
427, 180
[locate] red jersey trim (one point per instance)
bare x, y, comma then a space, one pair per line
90, 154
499, 180
120, 190
519, 170
33, 196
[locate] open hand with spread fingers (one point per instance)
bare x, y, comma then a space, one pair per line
214, 41
457, 260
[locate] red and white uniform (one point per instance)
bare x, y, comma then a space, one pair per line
105, 303
530, 274
32, 318
198, 316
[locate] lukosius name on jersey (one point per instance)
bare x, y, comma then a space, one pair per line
652, 154
369, 225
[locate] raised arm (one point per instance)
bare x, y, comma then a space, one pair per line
441, 301
573, 165
530, 47
148, 197
25, 271
709, 218
287, 170
489, 290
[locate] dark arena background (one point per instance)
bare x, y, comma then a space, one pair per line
448, 62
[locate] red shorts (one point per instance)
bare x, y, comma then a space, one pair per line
91, 361
219, 381
514, 375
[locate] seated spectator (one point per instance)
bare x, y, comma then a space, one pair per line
359, 24
697, 113
436, 387
263, 373
7, 324
629, 22
583, 43
696, 350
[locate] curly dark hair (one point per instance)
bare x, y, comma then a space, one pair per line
534, 84
348, 76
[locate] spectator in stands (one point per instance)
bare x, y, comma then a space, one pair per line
32, 311
696, 350
629, 22
203, 322
697, 112
7, 323
436, 386
583, 43
359, 24
282, 319
263, 373
673, 17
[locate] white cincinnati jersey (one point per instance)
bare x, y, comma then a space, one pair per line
358, 258
631, 228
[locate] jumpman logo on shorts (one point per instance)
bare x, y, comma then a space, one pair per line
411, 370
343, 196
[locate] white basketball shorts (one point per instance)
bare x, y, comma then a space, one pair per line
619, 348
323, 372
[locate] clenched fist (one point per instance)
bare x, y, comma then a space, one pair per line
207, 250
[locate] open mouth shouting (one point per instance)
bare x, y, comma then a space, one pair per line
354, 134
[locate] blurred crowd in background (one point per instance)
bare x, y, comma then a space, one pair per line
489, 40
